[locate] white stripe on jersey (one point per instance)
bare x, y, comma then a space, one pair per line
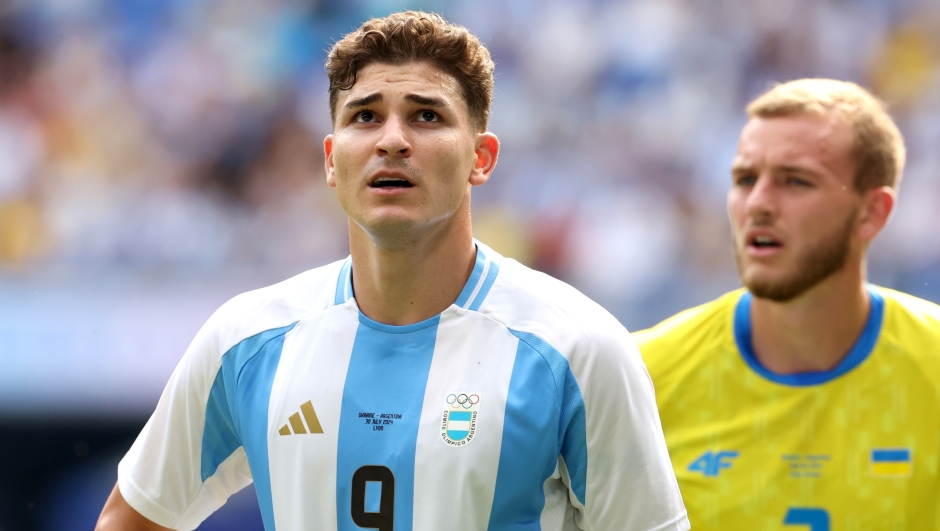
297, 487
456, 484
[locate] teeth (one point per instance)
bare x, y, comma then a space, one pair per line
763, 239
387, 179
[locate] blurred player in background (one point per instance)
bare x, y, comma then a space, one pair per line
424, 383
809, 398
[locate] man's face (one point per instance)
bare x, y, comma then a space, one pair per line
792, 203
403, 154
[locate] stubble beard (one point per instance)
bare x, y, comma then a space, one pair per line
825, 257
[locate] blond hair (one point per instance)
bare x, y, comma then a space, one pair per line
878, 148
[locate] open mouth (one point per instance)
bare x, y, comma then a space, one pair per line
390, 182
764, 242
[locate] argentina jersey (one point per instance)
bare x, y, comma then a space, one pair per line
522, 406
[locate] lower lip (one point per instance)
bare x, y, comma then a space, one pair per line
763, 252
391, 190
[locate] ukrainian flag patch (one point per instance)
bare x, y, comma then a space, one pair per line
891, 462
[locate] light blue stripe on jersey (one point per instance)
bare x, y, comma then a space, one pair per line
239, 397
475, 276
344, 283
387, 374
572, 431
544, 418
488, 280
485, 269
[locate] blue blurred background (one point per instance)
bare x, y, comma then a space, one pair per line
160, 156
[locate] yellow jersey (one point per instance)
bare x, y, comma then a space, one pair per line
851, 449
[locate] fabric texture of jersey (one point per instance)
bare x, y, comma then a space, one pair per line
855, 448
523, 406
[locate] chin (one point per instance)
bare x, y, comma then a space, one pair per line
388, 218
389, 226
782, 287
773, 290
771, 283
392, 232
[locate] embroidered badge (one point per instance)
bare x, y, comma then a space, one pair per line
459, 421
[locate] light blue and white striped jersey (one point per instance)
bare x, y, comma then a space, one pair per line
523, 406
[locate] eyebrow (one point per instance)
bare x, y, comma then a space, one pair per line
795, 170
376, 97
362, 102
426, 101
784, 168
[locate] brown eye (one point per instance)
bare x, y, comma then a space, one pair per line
428, 116
365, 116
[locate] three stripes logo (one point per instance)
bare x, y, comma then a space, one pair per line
296, 425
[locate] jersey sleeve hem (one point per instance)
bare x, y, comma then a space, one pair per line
679, 523
147, 508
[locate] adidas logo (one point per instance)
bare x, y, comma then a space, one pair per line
313, 423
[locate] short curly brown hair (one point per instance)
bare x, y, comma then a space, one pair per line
415, 36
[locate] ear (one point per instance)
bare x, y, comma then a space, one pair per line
877, 205
328, 160
487, 152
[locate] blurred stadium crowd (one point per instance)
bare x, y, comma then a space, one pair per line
183, 138
186, 135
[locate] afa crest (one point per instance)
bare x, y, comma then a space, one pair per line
459, 421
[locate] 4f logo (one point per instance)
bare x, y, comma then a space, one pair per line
710, 464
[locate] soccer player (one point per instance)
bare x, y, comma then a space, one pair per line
809, 398
424, 383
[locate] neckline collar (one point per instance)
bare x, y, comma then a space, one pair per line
485, 269
859, 352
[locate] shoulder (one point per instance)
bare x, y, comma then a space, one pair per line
701, 327
913, 326
919, 314
275, 306
531, 303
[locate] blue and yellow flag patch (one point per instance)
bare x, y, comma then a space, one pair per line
891, 462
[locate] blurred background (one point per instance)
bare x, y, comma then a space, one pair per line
158, 157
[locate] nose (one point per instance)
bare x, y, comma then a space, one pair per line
762, 199
394, 139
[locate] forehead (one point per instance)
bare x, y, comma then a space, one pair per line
390, 80
800, 140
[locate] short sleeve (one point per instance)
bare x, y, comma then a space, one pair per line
163, 476
623, 479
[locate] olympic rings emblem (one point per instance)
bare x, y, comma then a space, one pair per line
462, 400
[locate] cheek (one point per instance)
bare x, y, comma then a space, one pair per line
449, 152
343, 164
820, 217
818, 224
453, 163
736, 208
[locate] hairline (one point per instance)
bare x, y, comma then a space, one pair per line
823, 111
476, 125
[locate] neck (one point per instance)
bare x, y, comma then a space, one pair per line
815, 331
406, 284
